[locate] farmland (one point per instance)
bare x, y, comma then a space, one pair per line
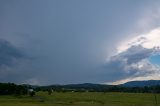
81, 99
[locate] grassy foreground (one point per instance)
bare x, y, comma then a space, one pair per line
81, 99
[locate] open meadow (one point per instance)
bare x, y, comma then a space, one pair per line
82, 99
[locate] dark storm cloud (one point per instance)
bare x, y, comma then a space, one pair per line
8, 53
12, 61
68, 40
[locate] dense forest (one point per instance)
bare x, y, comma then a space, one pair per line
11, 88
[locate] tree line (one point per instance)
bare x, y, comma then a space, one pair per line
11, 88
14, 89
101, 88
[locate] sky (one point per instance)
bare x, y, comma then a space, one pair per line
46, 42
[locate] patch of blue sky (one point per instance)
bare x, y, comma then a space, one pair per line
155, 59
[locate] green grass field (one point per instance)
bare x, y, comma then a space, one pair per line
81, 99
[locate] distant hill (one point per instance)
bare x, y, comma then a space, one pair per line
85, 85
89, 87
132, 86
148, 83
141, 83
81, 87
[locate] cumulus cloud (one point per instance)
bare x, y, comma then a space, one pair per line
131, 60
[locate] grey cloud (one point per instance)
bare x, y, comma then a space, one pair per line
11, 59
136, 53
8, 53
68, 39
131, 63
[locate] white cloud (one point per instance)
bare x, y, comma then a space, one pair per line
148, 40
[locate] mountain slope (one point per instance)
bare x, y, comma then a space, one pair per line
141, 83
